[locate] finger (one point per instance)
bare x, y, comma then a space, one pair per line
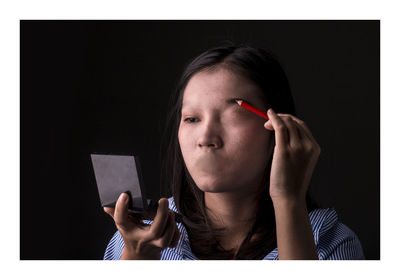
176, 237
294, 134
305, 135
307, 131
160, 219
305, 128
281, 133
170, 232
268, 125
175, 233
166, 237
121, 210
109, 211
308, 141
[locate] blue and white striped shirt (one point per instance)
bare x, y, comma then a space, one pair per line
334, 240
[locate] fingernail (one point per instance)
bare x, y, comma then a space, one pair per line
122, 197
270, 111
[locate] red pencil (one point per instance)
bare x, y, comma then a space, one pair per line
251, 108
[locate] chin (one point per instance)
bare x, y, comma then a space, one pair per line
213, 185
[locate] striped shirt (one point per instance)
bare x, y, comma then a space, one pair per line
333, 240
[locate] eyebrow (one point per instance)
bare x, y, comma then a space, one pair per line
228, 101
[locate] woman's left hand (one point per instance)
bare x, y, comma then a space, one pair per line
295, 155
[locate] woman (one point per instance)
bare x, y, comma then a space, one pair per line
240, 182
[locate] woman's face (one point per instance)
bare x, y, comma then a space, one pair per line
225, 147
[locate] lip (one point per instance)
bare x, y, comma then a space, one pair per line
209, 162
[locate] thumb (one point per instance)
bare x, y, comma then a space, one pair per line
121, 210
268, 125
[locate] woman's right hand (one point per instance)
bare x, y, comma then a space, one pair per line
144, 242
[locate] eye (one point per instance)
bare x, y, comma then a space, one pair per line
190, 120
237, 99
240, 99
234, 100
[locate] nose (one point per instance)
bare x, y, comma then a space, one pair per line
210, 137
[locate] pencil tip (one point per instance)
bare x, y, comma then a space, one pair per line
238, 101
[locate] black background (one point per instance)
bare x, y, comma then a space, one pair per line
104, 85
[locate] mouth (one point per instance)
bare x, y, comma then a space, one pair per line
209, 163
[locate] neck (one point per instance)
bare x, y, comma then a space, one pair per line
235, 212
230, 208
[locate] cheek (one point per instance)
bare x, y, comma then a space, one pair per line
246, 128
252, 136
184, 140
180, 137
252, 147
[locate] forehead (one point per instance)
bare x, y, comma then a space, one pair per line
218, 85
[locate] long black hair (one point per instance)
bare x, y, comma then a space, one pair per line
264, 70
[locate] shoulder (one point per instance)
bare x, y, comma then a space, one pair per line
114, 247
172, 205
334, 240
179, 252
